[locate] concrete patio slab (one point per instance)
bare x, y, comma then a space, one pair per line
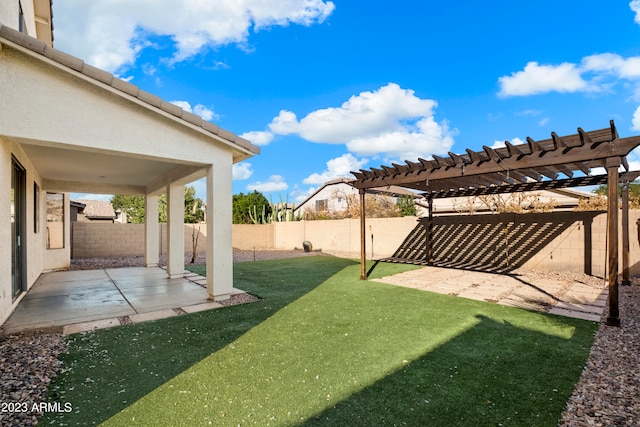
536, 292
575, 314
93, 299
90, 326
152, 315
202, 307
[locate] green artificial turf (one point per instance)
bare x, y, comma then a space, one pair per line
325, 348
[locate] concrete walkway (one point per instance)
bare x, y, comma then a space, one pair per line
85, 300
532, 291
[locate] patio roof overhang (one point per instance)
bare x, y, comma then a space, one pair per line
558, 162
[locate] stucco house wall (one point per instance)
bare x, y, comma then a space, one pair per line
75, 128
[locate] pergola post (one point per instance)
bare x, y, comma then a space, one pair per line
625, 233
430, 232
363, 238
588, 245
612, 164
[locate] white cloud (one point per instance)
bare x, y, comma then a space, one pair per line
258, 137
285, 123
543, 121
501, 144
529, 113
300, 196
635, 7
242, 171
595, 73
275, 183
536, 79
201, 110
205, 112
615, 64
339, 167
635, 121
103, 35
634, 160
390, 121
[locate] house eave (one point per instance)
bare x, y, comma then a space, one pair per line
40, 51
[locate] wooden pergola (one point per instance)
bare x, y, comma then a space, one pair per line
558, 162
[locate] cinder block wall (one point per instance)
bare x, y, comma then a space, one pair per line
253, 236
96, 240
105, 240
564, 251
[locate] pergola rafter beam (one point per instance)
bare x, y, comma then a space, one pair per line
493, 154
516, 188
580, 158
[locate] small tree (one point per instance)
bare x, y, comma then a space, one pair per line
406, 206
247, 206
134, 207
376, 206
591, 204
517, 203
634, 193
506, 203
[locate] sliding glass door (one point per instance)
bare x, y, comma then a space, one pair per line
17, 227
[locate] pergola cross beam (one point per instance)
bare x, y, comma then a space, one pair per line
567, 154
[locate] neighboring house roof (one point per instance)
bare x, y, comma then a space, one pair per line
77, 204
103, 77
97, 209
392, 191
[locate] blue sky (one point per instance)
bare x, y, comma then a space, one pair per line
326, 87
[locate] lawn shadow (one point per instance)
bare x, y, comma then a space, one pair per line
494, 373
107, 370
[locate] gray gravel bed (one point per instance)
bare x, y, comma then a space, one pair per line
28, 362
607, 394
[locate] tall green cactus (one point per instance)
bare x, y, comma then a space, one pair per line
277, 212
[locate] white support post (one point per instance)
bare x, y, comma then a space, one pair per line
175, 230
219, 240
151, 231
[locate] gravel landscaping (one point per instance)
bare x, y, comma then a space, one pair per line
607, 394
138, 261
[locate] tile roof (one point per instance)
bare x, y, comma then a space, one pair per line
38, 47
97, 209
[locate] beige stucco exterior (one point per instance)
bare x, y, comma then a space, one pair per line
75, 128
